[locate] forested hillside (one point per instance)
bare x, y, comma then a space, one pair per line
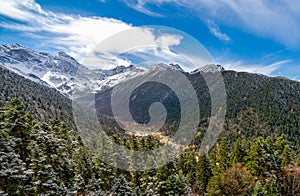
45, 103
257, 154
49, 158
257, 105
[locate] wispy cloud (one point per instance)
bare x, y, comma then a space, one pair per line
76, 35
152, 56
143, 46
266, 69
215, 30
278, 20
142, 6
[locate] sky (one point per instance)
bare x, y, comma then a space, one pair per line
258, 36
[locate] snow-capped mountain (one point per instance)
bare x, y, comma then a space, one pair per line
60, 71
211, 68
172, 66
65, 74
39, 66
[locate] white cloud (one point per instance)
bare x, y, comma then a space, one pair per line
141, 6
151, 56
74, 34
215, 30
267, 69
142, 42
78, 35
167, 40
278, 20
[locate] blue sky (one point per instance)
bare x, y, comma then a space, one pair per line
245, 35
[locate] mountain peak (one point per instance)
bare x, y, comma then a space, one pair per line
170, 66
119, 70
14, 46
210, 68
64, 55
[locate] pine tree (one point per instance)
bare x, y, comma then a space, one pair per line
107, 173
121, 187
258, 189
153, 187
215, 187
298, 161
238, 153
270, 188
255, 157
222, 160
148, 176
287, 156
12, 169
176, 185
203, 174
45, 178
137, 191
42, 158
94, 186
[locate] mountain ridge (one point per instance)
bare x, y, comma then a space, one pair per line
61, 71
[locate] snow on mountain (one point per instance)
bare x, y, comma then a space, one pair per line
64, 73
109, 78
25, 61
60, 71
212, 68
172, 66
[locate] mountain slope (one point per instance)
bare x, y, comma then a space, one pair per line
44, 102
257, 105
60, 71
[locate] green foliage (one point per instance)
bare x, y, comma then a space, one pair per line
215, 187
287, 156
258, 189
121, 187
223, 159
266, 157
265, 190
203, 174
270, 188
298, 161
41, 158
43, 102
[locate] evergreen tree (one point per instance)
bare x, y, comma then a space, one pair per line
298, 161
13, 174
255, 157
258, 189
287, 156
148, 176
45, 178
121, 187
238, 153
222, 160
203, 174
215, 187
153, 187
176, 185
270, 188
